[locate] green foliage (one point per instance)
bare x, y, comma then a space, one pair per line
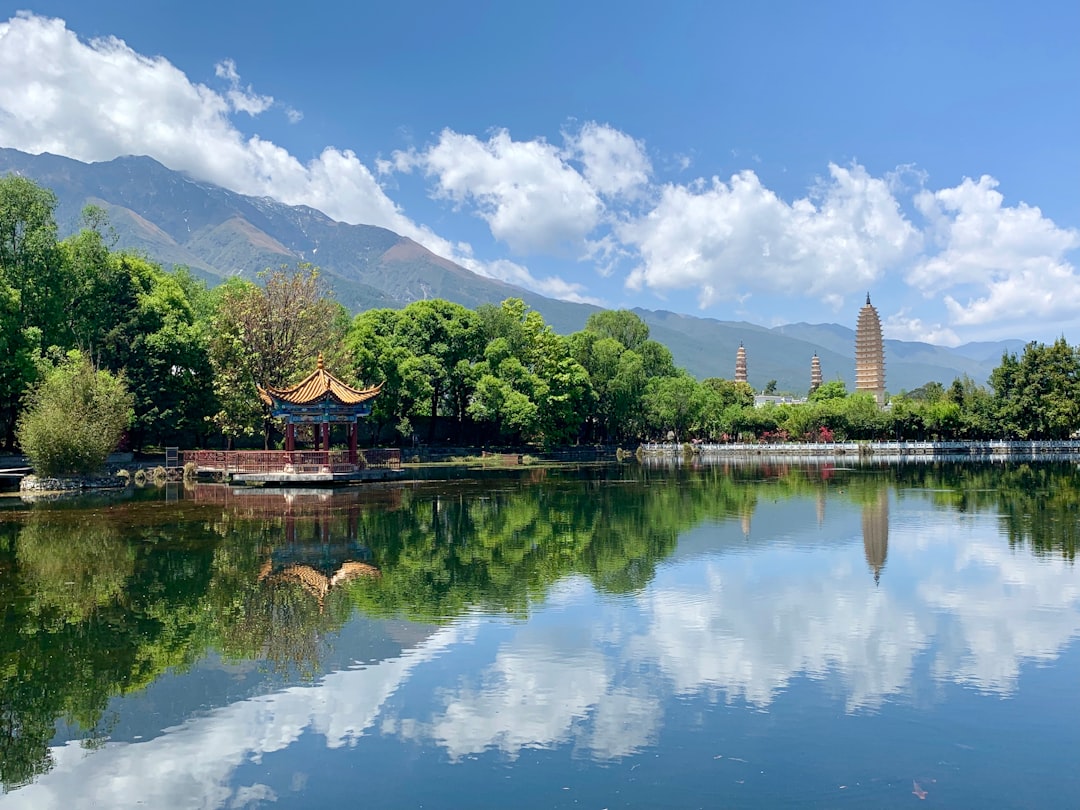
74, 419
833, 389
270, 335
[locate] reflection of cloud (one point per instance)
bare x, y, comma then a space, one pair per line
596, 673
191, 765
744, 625
1012, 608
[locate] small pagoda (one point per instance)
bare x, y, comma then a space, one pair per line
740, 364
320, 400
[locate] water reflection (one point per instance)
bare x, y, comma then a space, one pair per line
562, 611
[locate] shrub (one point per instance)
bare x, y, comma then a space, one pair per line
191, 471
160, 474
140, 477
74, 418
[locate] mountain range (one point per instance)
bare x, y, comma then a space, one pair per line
217, 233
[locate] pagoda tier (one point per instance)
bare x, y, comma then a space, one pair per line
740, 364
869, 353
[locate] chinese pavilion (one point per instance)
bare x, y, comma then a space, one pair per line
320, 400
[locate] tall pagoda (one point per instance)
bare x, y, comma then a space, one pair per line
870, 353
815, 373
320, 400
740, 364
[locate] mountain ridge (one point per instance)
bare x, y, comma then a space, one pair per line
217, 233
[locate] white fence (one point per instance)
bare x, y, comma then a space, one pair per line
1012, 449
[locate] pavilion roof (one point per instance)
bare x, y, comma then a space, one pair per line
315, 387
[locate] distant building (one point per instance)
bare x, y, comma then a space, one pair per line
869, 353
815, 373
740, 364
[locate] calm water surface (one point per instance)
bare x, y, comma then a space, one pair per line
597, 637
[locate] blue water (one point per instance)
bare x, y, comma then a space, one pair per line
814, 649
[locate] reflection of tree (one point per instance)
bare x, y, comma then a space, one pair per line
89, 613
67, 580
1039, 505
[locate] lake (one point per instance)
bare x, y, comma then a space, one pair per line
549, 637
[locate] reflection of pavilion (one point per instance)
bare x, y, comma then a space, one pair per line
315, 581
875, 532
320, 529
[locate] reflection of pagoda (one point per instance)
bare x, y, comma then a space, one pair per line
740, 364
875, 532
869, 353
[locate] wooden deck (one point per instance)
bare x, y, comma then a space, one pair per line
314, 467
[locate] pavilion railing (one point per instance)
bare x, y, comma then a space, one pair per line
292, 461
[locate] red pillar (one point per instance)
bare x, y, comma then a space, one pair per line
354, 428
315, 437
290, 437
326, 435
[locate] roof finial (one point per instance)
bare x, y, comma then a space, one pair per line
320, 362
868, 298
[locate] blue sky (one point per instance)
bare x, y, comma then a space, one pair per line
769, 162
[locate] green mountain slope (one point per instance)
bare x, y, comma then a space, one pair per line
219, 233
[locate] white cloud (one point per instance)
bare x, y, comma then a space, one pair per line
1008, 262
727, 239
514, 273
614, 163
529, 196
902, 326
241, 99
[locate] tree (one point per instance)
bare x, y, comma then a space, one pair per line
674, 403
267, 336
620, 324
441, 334
833, 389
29, 261
74, 419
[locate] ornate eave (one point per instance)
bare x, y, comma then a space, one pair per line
320, 394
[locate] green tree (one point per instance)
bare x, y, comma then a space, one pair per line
833, 389
621, 325
269, 335
74, 418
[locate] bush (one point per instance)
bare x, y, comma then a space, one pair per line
160, 474
140, 477
191, 471
74, 418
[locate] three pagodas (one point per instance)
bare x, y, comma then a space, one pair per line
869, 357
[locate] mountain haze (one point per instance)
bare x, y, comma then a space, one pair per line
218, 233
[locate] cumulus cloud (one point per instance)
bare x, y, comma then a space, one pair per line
613, 162
1011, 261
727, 239
529, 196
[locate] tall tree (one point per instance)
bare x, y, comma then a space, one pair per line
269, 335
